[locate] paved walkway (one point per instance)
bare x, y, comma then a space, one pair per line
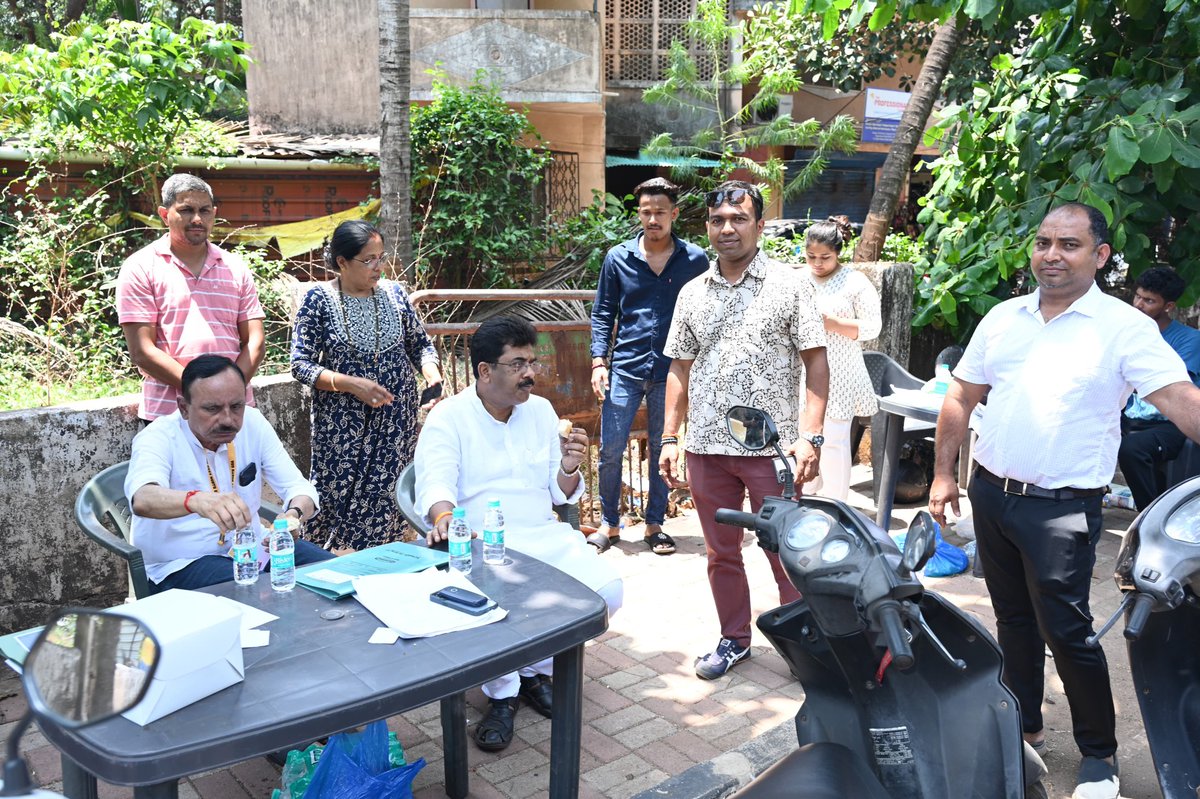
647, 717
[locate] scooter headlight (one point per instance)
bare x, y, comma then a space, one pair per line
1183, 524
810, 529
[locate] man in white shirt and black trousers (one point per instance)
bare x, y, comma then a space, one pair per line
1057, 367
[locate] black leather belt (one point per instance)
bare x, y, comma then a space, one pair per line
1011, 486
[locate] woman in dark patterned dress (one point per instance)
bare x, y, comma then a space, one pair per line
358, 344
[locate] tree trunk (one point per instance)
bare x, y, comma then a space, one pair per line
912, 127
73, 11
395, 151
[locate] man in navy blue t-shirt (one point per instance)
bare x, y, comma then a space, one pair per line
635, 300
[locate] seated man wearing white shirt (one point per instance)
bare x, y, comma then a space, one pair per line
196, 474
496, 440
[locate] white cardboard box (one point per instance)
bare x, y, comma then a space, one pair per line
200, 649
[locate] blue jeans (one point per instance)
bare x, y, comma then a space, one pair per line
620, 406
213, 569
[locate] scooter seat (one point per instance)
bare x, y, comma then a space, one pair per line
816, 771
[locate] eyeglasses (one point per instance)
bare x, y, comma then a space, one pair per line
369, 262
518, 365
715, 199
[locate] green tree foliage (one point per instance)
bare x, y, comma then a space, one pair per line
33, 21
736, 130
859, 55
132, 92
475, 170
1101, 108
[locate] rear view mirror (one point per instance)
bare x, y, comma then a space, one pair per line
920, 543
751, 428
88, 666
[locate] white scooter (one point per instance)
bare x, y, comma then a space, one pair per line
85, 667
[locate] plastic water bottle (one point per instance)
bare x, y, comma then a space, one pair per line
283, 557
493, 534
941, 379
245, 556
460, 541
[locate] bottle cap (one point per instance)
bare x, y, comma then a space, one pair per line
493, 503
459, 513
280, 524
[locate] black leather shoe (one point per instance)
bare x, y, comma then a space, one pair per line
495, 730
538, 691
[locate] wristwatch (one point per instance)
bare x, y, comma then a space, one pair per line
816, 439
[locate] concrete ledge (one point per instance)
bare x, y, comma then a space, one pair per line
46, 457
726, 773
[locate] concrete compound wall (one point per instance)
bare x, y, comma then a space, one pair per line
46, 457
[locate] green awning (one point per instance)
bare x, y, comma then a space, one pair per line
658, 160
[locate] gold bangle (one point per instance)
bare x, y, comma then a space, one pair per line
333, 380
441, 516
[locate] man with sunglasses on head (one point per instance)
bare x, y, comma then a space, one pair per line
635, 300
184, 296
497, 440
746, 332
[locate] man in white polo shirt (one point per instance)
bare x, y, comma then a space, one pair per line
183, 296
1056, 366
196, 474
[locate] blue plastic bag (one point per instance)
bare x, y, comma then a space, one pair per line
947, 559
355, 765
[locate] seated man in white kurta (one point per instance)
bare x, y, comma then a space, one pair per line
497, 440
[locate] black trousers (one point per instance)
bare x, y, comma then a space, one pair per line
1037, 557
1145, 446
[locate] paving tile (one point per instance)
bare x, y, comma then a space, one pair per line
622, 719
531, 783
611, 777
534, 733
258, 776
219, 785
605, 697
45, 764
106, 791
692, 745
512, 765
653, 730
602, 747
715, 727
667, 758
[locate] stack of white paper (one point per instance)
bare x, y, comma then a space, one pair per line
401, 602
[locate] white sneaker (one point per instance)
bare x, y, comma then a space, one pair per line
1098, 779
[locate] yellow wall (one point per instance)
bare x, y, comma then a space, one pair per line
576, 128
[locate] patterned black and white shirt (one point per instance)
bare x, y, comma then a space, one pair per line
745, 341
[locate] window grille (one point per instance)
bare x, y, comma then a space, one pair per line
638, 36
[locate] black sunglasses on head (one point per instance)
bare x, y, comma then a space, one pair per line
715, 199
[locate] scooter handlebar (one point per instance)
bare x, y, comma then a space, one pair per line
1142, 605
895, 636
736, 518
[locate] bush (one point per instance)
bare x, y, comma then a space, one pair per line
60, 259
473, 179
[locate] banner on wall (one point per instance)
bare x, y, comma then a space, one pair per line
882, 117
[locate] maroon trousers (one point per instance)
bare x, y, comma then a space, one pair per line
721, 481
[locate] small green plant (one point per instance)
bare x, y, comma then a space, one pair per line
587, 237
474, 173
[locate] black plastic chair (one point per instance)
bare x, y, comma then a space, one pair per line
102, 511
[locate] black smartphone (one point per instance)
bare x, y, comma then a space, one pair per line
460, 599
431, 393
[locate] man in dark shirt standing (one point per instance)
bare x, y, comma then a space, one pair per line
639, 283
